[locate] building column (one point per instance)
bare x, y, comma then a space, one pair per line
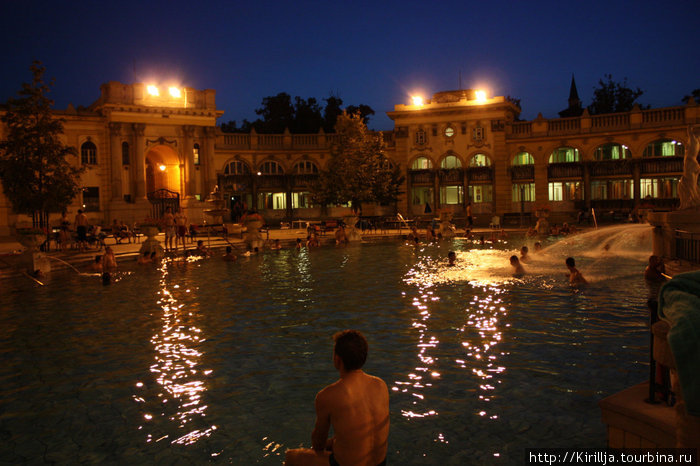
409, 193
436, 190
140, 162
587, 185
115, 148
636, 176
188, 165
209, 172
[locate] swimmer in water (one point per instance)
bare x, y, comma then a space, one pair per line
518, 270
575, 277
524, 258
451, 257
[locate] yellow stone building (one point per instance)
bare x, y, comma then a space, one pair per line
146, 148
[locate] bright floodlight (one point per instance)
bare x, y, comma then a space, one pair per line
161, 167
481, 96
174, 92
152, 90
417, 100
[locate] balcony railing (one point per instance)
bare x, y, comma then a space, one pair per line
303, 181
564, 170
480, 174
271, 182
421, 177
661, 165
522, 172
454, 175
565, 126
611, 168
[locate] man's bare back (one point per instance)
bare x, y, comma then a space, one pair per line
356, 406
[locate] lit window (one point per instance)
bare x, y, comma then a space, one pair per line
88, 153
195, 154
450, 161
523, 158
451, 194
301, 200
305, 167
611, 151
565, 191
480, 160
479, 193
272, 201
664, 148
658, 188
271, 168
422, 195
564, 155
524, 192
236, 168
422, 163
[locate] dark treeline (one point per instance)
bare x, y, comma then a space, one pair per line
302, 116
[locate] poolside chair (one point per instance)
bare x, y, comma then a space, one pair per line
495, 222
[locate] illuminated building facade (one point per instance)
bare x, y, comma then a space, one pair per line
145, 147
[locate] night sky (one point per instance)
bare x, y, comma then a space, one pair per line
374, 53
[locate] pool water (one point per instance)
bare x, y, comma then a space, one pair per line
208, 361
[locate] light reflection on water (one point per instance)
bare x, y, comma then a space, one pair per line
207, 359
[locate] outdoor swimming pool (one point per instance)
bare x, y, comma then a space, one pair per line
208, 361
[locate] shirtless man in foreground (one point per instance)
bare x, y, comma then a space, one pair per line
357, 406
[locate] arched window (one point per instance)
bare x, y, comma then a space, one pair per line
305, 167
422, 163
612, 151
564, 155
480, 160
270, 167
236, 167
195, 154
88, 153
451, 161
125, 153
523, 158
664, 148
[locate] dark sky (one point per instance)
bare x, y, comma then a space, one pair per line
376, 53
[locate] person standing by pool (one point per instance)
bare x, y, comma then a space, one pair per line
470, 219
81, 226
181, 226
169, 224
654, 278
357, 406
575, 277
229, 256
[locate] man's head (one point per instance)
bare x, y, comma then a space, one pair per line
570, 262
524, 250
514, 260
451, 257
351, 347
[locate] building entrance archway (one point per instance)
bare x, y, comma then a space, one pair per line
163, 170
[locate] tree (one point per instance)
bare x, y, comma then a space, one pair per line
358, 171
331, 113
36, 175
695, 95
277, 114
613, 97
307, 116
363, 110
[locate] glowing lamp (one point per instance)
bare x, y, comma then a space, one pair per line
161, 167
152, 90
481, 96
174, 92
417, 100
